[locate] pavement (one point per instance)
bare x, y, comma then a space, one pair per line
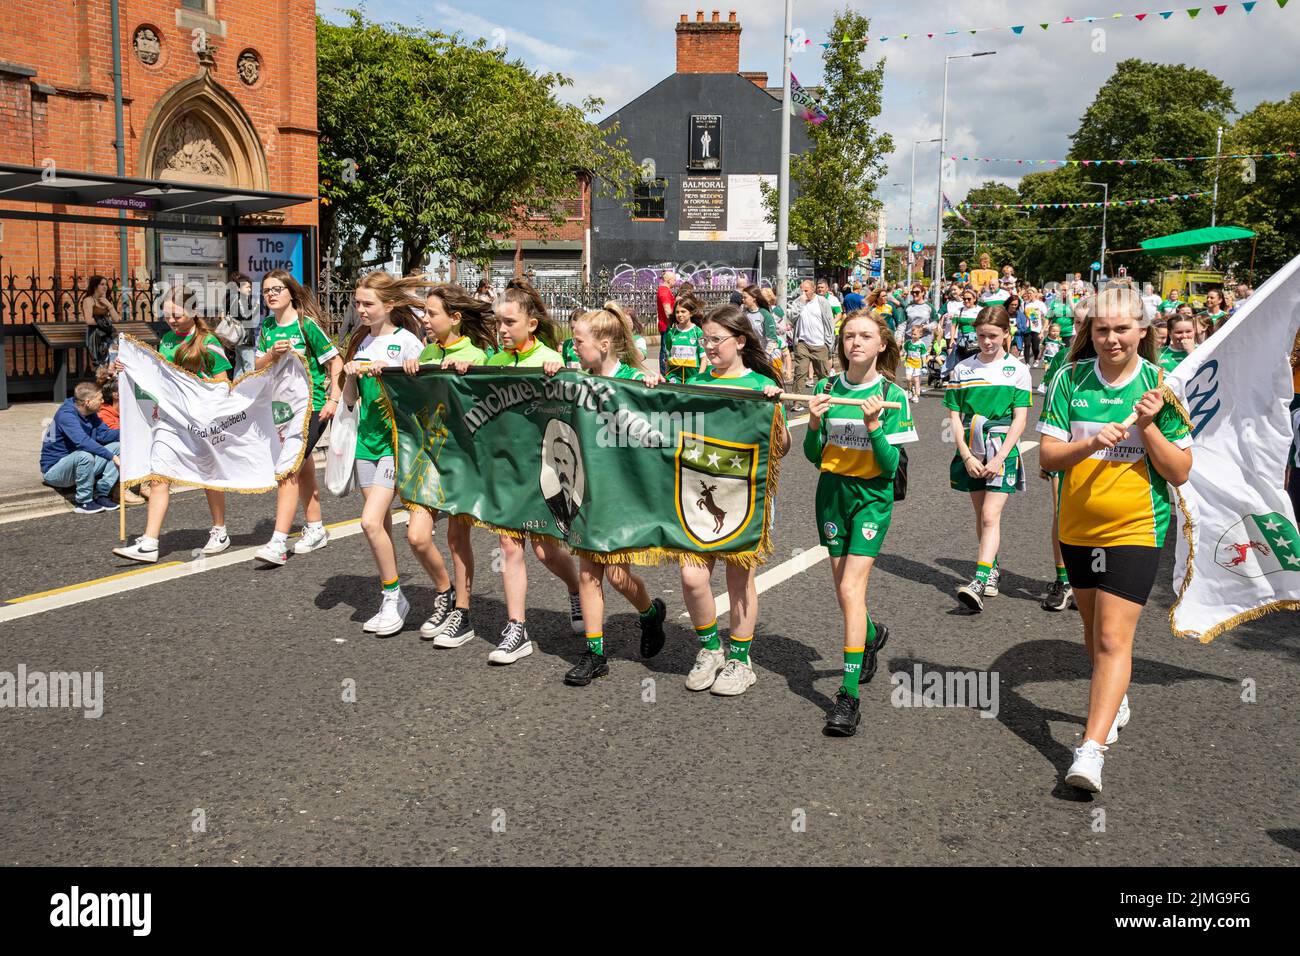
247, 719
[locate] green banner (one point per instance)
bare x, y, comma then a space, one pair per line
609, 466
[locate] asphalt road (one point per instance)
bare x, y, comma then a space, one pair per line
225, 738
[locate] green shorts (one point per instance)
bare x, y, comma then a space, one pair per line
853, 514
960, 480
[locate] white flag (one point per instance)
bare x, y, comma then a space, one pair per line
229, 437
1238, 553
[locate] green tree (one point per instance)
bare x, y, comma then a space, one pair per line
989, 229
1271, 204
438, 144
1144, 110
836, 178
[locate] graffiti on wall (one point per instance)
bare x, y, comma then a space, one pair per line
703, 275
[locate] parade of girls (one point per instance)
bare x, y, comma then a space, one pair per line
859, 420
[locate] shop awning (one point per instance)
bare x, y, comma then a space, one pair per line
61, 187
1193, 240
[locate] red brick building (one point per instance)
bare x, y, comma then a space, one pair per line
546, 248
219, 92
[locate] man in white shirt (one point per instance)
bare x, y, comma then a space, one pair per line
1150, 301
814, 334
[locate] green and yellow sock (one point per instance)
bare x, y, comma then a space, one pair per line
738, 648
392, 585
852, 669
1061, 575
596, 643
708, 635
982, 572
649, 612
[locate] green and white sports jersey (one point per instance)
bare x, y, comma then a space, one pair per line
639, 343
628, 372
992, 391
570, 354
1114, 496
685, 348
914, 353
318, 350
1050, 348
842, 445
749, 379
374, 429
1063, 315
214, 356
459, 349
1170, 357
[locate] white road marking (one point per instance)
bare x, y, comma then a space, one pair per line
93, 590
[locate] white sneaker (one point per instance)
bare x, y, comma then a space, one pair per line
136, 552
1120, 722
218, 541
736, 678
705, 670
1085, 772
273, 552
311, 541
391, 616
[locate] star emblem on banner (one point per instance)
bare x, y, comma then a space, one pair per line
694, 453
1272, 525
714, 458
737, 463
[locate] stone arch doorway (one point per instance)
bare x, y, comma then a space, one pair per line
198, 132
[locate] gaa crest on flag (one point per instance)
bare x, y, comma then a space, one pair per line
716, 485
1258, 545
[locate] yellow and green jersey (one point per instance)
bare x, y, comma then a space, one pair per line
214, 356
685, 348
842, 445
317, 349
459, 349
535, 356
914, 353
1115, 496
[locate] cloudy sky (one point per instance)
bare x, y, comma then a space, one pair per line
1024, 102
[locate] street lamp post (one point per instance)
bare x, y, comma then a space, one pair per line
783, 176
938, 199
1105, 205
884, 251
911, 189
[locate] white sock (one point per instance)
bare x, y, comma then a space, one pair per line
147, 543
220, 529
315, 525
280, 537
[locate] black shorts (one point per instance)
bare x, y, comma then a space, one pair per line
313, 432
1125, 570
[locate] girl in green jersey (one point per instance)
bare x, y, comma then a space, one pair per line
528, 338
988, 399
190, 344
297, 324
389, 335
1182, 340
604, 343
462, 328
737, 359
855, 449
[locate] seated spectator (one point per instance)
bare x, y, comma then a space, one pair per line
80, 451
106, 379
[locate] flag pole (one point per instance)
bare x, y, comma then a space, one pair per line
121, 507
792, 397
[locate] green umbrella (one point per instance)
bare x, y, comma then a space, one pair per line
1193, 240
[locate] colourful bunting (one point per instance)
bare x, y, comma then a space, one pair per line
1286, 154
1018, 29
1175, 197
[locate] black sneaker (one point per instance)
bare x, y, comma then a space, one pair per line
1058, 597
514, 644
443, 602
652, 631
869, 656
1073, 605
590, 666
972, 595
844, 716
456, 630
